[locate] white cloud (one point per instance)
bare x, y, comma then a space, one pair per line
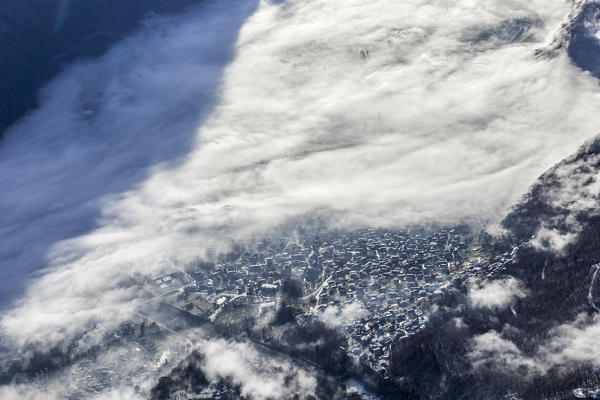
575, 342
344, 315
259, 376
25, 392
553, 239
493, 351
498, 293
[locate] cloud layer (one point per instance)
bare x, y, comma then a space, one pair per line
498, 293
230, 120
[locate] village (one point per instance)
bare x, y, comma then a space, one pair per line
391, 276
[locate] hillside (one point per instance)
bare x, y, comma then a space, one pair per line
536, 345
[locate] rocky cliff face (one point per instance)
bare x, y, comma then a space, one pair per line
38, 37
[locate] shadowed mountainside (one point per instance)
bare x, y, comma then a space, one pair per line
38, 37
579, 36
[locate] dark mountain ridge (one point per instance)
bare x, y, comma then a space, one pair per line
579, 36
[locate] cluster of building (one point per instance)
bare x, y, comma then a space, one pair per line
392, 274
